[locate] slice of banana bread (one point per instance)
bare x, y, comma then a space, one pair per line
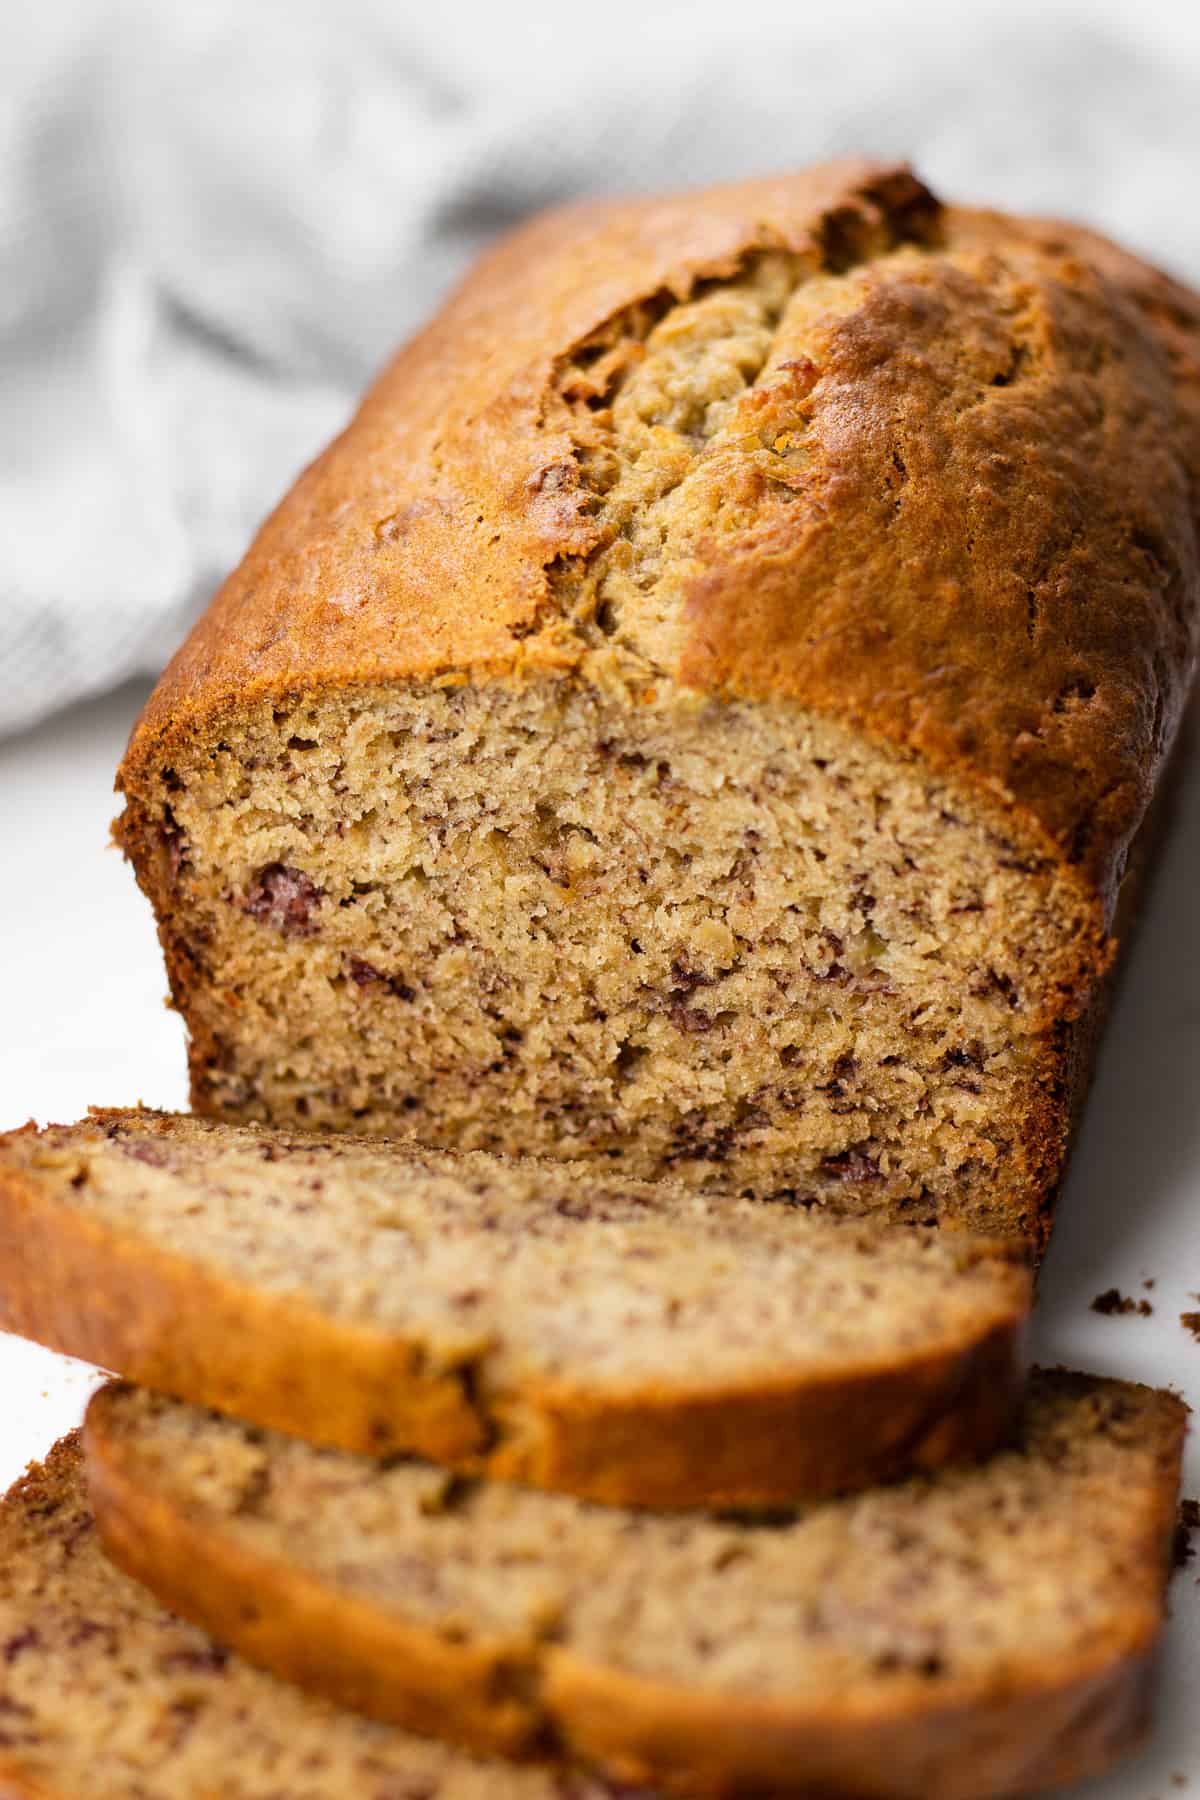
984, 1631
104, 1696
700, 711
551, 1322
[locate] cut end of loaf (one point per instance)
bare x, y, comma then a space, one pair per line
734, 944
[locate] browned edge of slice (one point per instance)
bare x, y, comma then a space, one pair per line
159, 1318
1053, 1721
1052, 1727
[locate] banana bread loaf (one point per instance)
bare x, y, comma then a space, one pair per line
700, 711
104, 1696
983, 1631
550, 1322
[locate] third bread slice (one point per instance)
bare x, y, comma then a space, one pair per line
625, 1341
106, 1696
982, 1631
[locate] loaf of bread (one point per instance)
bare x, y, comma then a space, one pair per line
104, 1696
702, 710
554, 1323
983, 1631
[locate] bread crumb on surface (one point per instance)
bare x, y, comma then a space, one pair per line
1189, 1520
1112, 1300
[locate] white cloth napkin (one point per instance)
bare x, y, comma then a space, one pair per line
216, 220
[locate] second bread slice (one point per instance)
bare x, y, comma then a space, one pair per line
624, 1341
982, 1631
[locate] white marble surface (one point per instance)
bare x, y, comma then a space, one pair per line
83, 1021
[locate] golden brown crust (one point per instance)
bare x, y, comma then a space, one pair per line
1054, 1727
163, 1319
770, 1444
982, 576
992, 561
419, 541
1053, 1721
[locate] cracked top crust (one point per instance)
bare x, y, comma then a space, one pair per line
813, 438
